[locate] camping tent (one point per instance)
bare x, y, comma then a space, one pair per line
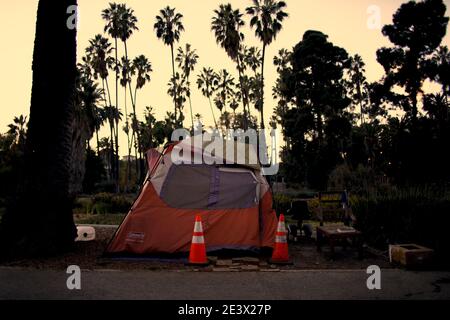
234, 201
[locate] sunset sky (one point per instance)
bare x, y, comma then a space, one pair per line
345, 22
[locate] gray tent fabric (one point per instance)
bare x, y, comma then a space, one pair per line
236, 190
209, 188
187, 186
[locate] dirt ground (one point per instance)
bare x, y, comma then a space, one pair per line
89, 256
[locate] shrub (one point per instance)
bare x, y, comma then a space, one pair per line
415, 215
281, 203
104, 203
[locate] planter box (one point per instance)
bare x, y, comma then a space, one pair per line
411, 255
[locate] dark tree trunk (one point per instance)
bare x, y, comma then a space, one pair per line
39, 221
174, 83
262, 87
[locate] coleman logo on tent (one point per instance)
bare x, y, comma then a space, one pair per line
136, 237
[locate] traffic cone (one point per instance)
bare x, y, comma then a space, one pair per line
281, 253
197, 255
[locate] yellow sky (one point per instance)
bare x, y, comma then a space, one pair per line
345, 21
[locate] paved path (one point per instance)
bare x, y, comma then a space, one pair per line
396, 284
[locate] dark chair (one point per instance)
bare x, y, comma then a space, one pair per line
299, 211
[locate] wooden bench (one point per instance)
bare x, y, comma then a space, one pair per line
333, 234
336, 202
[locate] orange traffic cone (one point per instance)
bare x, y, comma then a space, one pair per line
281, 253
197, 255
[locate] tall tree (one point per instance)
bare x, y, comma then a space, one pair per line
127, 71
282, 62
143, 68
440, 69
417, 30
98, 57
317, 125
168, 28
85, 123
17, 130
226, 25
40, 220
113, 18
267, 18
187, 59
225, 87
357, 85
207, 82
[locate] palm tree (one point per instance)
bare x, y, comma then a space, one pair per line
127, 25
225, 88
143, 69
178, 90
358, 83
113, 115
226, 25
207, 82
17, 129
168, 28
98, 56
47, 161
127, 71
88, 111
267, 17
112, 16
186, 61
253, 58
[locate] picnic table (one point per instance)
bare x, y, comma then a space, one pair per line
334, 234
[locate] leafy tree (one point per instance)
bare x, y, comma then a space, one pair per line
417, 30
95, 172
318, 126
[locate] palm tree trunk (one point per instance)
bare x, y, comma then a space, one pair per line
244, 95
136, 135
262, 87
127, 179
117, 120
212, 111
111, 125
174, 83
40, 222
190, 106
126, 123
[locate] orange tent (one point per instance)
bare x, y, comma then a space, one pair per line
234, 202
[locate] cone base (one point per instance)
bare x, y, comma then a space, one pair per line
191, 264
282, 262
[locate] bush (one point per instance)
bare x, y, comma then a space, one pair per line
418, 215
357, 181
104, 203
281, 203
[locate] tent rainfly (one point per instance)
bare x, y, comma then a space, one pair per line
234, 201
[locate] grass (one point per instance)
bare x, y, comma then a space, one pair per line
104, 219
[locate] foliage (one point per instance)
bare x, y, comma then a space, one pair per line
104, 203
413, 215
